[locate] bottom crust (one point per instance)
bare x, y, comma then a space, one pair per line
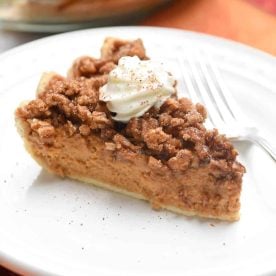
174, 209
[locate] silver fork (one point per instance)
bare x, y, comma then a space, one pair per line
204, 84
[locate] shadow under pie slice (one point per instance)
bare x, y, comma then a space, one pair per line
165, 156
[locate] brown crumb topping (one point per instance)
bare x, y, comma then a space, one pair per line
173, 137
90, 67
113, 49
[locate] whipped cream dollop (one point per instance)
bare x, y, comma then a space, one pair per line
134, 86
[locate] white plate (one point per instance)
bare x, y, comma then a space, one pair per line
54, 226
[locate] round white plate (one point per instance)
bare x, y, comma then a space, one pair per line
54, 226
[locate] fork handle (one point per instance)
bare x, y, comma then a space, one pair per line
262, 142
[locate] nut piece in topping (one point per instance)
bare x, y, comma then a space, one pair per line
113, 49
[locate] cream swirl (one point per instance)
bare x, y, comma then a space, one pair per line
134, 86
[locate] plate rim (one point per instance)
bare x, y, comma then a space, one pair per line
228, 42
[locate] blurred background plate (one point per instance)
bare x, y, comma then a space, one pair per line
65, 15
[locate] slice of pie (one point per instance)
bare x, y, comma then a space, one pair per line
133, 136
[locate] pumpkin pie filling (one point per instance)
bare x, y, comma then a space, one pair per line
165, 156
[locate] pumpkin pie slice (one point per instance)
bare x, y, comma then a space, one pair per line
81, 127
